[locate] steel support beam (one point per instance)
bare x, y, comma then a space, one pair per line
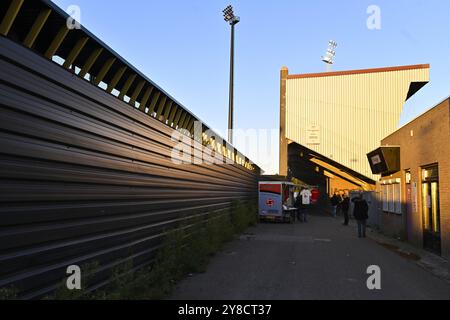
153, 103
115, 80
162, 103
191, 125
90, 62
342, 174
136, 92
127, 86
10, 16
56, 43
186, 122
177, 118
106, 67
173, 114
143, 102
36, 28
168, 110
75, 52
183, 117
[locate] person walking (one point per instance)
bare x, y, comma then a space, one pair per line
345, 206
361, 213
298, 205
334, 204
339, 208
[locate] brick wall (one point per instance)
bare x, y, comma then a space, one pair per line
393, 225
425, 141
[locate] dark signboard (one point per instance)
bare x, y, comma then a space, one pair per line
385, 160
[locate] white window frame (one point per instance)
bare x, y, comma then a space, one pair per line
392, 197
385, 198
398, 198
391, 200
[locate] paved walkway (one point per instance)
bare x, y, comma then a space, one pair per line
318, 260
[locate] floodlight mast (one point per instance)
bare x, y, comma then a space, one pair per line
330, 54
229, 17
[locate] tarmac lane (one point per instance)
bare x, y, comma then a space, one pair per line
319, 260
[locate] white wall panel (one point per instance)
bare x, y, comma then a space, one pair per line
354, 111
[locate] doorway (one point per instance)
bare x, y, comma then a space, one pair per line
431, 209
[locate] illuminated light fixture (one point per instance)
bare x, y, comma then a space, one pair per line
229, 16
331, 53
408, 177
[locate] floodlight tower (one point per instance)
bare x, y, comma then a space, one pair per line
232, 20
331, 53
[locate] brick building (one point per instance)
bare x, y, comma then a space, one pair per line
414, 189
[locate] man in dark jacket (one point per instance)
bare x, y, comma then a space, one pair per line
335, 200
345, 206
298, 205
361, 213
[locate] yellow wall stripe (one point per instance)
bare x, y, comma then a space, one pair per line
106, 67
173, 113
162, 103
136, 92
154, 101
127, 86
75, 52
10, 16
168, 109
56, 43
143, 102
90, 62
37, 27
115, 80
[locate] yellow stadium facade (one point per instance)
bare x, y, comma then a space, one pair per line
330, 121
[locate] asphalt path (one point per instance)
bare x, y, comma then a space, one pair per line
319, 260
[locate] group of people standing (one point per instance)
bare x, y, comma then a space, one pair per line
360, 211
338, 203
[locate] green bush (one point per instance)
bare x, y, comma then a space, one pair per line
8, 293
122, 284
243, 214
220, 231
184, 250
195, 256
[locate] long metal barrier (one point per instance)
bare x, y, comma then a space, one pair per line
87, 177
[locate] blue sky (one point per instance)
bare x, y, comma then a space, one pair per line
184, 47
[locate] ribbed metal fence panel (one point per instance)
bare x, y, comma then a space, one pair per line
86, 177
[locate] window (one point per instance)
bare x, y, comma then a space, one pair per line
385, 198
388, 198
392, 196
397, 198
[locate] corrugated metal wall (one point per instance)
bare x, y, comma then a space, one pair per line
86, 177
354, 112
